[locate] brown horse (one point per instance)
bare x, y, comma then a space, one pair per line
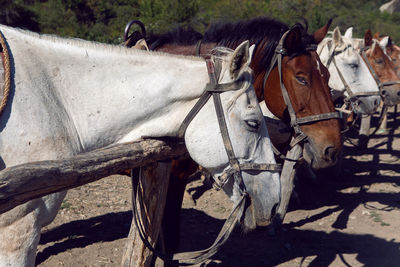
384, 68
302, 74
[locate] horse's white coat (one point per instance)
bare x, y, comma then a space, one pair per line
71, 96
353, 69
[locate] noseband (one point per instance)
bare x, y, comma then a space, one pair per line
214, 89
295, 122
353, 97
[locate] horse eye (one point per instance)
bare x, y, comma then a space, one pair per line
301, 80
253, 125
353, 65
378, 60
394, 59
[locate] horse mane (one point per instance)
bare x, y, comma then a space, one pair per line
178, 35
259, 31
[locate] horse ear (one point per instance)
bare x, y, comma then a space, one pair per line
349, 33
292, 39
368, 38
320, 34
384, 42
240, 60
337, 37
251, 50
376, 35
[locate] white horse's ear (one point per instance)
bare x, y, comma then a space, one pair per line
384, 42
251, 51
337, 37
240, 60
349, 33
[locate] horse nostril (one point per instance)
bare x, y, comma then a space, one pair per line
376, 102
330, 153
384, 92
398, 93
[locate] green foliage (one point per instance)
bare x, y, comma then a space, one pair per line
105, 21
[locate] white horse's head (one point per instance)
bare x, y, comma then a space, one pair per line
247, 132
345, 63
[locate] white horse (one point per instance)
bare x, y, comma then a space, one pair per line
71, 96
347, 68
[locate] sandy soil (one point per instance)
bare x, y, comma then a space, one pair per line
353, 220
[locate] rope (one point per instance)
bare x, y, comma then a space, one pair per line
7, 74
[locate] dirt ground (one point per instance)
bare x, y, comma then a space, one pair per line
353, 220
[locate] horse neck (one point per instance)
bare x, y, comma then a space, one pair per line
110, 94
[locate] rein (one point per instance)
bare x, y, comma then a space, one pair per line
295, 122
214, 89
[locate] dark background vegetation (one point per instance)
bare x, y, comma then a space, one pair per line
104, 21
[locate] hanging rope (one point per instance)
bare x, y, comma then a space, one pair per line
7, 73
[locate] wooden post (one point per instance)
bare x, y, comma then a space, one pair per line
153, 185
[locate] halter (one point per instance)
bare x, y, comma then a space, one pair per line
353, 97
295, 122
214, 89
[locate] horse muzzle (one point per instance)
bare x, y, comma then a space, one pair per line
391, 95
327, 157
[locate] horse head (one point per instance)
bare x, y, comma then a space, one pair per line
306, 81
349, 74
248, 135
392, 50
383, 68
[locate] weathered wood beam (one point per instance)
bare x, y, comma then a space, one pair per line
153, 186
21, 183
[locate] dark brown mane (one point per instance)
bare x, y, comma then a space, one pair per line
258, 31
179, 36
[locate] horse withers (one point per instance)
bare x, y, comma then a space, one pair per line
70, 96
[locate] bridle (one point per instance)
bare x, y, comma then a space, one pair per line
214, 89
295, 122
353, 98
